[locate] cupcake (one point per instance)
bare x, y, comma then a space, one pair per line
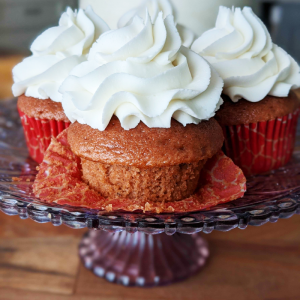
260, 113
37, 78
137, 106
154, 7
159, 164
61, 179
143, 136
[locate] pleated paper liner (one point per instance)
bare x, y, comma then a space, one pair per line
260, 147
38, 134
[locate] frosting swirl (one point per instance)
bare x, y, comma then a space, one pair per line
154, 7
55, 53
141, 72
241, 50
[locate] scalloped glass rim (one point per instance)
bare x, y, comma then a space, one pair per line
270, 196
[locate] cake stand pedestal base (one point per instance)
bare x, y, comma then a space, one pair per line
138, 259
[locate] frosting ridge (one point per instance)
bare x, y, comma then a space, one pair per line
141, 72
241, 50
154, 7
55, 53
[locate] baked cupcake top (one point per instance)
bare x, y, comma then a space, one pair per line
267, 109
55, 53
46, 109
141, 72
154, 7
240, 48
146, 147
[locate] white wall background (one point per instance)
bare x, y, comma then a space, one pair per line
198, 15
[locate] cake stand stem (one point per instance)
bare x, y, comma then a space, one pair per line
138, 259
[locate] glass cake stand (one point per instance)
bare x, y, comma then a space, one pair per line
140, 249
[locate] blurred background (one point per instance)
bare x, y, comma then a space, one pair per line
22, 20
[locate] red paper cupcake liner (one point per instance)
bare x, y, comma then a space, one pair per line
260, 147
38, 134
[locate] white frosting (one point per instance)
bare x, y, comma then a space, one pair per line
141, 72
154, 7
55, 53
241, 50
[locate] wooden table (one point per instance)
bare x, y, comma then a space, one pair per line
40, 261
6, 81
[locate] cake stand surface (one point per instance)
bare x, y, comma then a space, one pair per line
140, 249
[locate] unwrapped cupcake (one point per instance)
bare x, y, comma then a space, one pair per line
37, 78
143, 135
260, 113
